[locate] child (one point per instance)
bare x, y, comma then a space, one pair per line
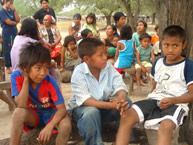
124, 52
141, 28
91, 25
38, 98
86, 33
167, 105
144, 54
155, 42
69, 58
97, 88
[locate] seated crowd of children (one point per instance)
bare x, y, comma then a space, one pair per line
99, 92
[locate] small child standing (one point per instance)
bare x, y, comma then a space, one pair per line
91, 25
97, 89
69, 58
167, 105
124, 51
155, 42
38, 98
144, 54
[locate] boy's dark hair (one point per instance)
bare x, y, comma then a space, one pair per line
144, 35
173, 31
93, 16
117, 16
29, 27
68, 39
88, 47
84, 33
32, 54
77, 15
126, 32
142, 21
43, 0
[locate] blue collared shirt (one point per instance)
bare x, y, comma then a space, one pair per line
85, 85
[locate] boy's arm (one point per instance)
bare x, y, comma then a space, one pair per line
186, 98
62, 59
22, 98
46, 133
139, 62
117, 50
152, 55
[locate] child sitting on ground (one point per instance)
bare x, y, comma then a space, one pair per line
69, 58
144, 54
124, 51
97, 89
38, 98
167, 105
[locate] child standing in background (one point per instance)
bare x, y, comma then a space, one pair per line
155, 37
144, 54
141, 28
91, 25
69, 57
124, 51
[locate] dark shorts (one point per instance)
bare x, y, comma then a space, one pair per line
43, 118
150, 113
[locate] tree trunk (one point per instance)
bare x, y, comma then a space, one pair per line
153, 18
179, 12
108, 19
132, 19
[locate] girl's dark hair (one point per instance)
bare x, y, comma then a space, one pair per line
92, 15
88, 46
68, 39
84, 33
142, 21
126, 32
30, 28
77, 15
117, 16
3, 1
174, 31
144, 35
43, 0
32, 54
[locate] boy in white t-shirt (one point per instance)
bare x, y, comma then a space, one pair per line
166, 106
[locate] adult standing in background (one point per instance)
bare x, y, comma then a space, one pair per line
120, 20
8, 20
45, 10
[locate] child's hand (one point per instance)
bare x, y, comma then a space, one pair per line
166, 103
143, 69
25, 73
124, 106
61, 70
45, 134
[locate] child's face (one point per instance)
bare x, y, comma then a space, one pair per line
76, 21
89, 20
115, 41
145, 42
89, 35
140, 27
172, 48
98, 60
121, 21
71, 45
38, 72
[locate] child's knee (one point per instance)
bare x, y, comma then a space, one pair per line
65, 125
20, 114
167, 125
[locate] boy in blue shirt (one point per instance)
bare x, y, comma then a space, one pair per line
38, 98
97, 89
167, 105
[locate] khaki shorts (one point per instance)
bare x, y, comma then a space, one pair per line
144, 63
